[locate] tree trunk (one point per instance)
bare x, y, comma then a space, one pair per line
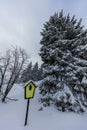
3, 99
5, 95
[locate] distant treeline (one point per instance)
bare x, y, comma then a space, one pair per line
31, 72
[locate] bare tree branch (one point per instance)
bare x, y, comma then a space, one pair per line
18, 58
5, 61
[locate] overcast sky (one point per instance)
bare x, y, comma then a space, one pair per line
21, 21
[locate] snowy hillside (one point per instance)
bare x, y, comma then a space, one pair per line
12, 115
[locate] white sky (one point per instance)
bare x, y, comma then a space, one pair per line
21, 21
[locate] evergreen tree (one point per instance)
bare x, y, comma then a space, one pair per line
40, 73
32, 72
27, 73
35, 71
63, 53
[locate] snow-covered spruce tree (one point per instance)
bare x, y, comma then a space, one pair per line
40, 73
64, 56
27, 73
31, 72
35, 71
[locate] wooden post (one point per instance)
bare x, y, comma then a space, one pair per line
26, 117
29, 93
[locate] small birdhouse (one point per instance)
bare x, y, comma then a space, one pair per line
29, 90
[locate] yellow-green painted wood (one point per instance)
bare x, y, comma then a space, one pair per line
29, 90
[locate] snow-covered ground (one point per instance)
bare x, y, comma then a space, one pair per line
12, 115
